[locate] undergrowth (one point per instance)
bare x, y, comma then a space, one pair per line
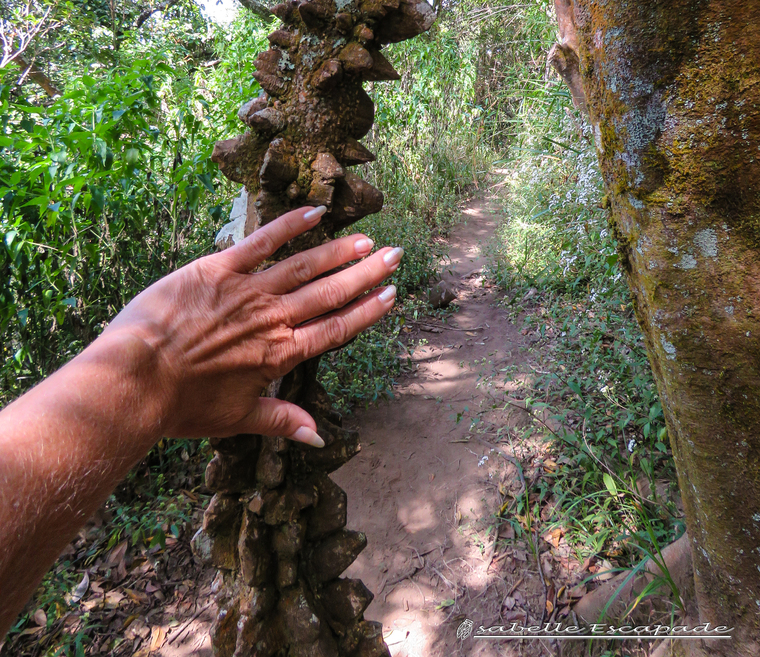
589, 386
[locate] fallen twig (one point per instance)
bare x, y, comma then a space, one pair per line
443, 326
190, 620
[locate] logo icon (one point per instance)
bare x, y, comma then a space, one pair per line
465, 629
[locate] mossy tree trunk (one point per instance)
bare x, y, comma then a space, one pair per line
673, 92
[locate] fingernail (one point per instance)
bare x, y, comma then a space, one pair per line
393, 257
363, 246
387, 294
306, 435
312, 216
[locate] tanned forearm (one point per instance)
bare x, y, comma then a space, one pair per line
65, 445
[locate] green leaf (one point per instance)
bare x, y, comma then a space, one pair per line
159, 538
98, 198
131, 155
216, 212
101, 149
38, 200
205, 179
193, 193
609, 482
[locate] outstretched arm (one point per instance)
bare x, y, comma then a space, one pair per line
189, 357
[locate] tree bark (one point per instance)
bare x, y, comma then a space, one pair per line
36, 75
258, 8
673, 91
276, 526
563, 55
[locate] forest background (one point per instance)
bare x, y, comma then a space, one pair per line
108, 185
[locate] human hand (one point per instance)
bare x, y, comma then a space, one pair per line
221, 334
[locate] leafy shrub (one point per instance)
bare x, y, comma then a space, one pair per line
102, 194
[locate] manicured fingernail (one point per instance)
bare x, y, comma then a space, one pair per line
312, 216
387, 294
393, 257
363, 246
306, 435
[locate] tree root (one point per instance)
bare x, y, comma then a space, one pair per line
677, 558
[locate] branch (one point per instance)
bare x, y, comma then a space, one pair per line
24, 33
258, 8
31, 70
149, 12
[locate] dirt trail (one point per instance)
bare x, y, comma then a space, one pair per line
425, 487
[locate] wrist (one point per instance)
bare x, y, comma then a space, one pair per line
123, 387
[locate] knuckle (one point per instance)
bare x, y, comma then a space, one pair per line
281, 357
297, 349
334, 293
303, 269
283, 312
280, 419
338, 250
264, 244
337, 331
370, 270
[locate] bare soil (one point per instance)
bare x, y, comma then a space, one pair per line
427, 486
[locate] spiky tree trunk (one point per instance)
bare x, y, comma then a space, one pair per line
275, 526
673, 91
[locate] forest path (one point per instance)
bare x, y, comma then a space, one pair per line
426, 486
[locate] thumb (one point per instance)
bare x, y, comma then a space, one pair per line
275, 417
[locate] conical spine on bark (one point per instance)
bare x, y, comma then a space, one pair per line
276, 525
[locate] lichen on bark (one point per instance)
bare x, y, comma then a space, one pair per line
275, 528
674, 90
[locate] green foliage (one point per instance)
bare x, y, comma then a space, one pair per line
146, 522
102, 193
591, 382
363, 370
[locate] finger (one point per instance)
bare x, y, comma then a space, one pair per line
336, 291
249, 253
303, 267
275, 417
337, 328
